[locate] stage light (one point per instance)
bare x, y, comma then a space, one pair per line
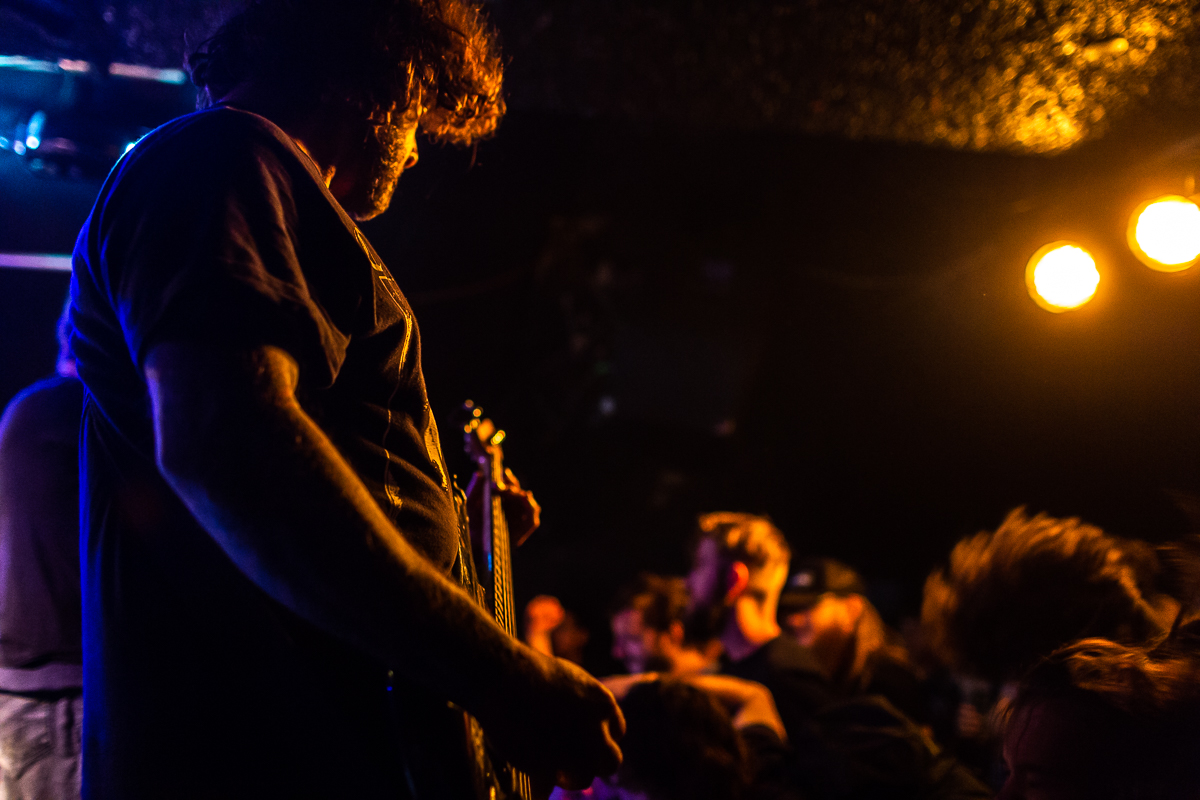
1061, 276
33, 130
1165, 233
140, 72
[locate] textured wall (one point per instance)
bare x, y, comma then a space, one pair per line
980, 74
998, 74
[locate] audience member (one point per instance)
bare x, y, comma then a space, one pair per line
554, 631
648, 629
739, 565
704, 737
1107, 721
41, 651
850, 748
1012, 596
825, 608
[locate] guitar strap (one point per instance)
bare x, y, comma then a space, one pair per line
464, 566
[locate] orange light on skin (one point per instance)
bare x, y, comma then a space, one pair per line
1165, 233
1062, 276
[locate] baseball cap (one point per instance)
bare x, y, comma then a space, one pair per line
813, 577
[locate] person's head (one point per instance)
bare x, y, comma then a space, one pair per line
679, 744
1105, 721
647, 623
825, 608
1012, 596
734, 556
379, 68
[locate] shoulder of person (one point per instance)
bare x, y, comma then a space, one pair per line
47, 398
785, 653
207, 143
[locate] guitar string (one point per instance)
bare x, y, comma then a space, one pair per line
503, 602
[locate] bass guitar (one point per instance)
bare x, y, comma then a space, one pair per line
482, 441
447, 755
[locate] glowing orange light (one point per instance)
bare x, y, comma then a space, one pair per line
1165, 233
1061, 276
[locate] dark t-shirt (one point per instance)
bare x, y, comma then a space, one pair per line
217, 228
791, 673
40, 640
800, 690
857, 748
901, 684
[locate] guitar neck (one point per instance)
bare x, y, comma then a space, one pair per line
502, 585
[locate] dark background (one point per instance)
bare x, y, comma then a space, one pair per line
818, 314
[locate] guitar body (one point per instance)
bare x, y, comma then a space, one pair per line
446, 753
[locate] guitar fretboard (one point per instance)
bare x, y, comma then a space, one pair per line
502, 589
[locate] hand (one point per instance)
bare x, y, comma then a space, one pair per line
562, 723
542, 615
748, 702
521, 510
620, 685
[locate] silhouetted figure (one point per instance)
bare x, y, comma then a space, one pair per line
701, 737
273, 590
41, 648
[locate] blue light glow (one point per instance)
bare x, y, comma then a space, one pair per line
33, 131
140, 72
28, 64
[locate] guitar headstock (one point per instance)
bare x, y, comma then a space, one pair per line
482, 440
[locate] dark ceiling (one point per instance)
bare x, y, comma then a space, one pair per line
1022, 75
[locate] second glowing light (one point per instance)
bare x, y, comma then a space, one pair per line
1165, 233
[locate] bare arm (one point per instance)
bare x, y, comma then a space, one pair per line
276, 495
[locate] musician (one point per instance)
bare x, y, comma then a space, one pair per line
269, 526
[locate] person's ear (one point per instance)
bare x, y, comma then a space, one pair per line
737, 578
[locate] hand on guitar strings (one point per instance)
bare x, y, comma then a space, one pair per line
521, 510
562, 726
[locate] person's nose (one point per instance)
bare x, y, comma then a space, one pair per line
412, 158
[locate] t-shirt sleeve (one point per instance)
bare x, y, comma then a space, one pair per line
200, 244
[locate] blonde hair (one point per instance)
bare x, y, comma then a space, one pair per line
752, 540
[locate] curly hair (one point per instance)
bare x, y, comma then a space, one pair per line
750, 539
1012, 596
1139, 706
440, 55
662, 601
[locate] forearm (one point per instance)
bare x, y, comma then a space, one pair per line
280, 500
